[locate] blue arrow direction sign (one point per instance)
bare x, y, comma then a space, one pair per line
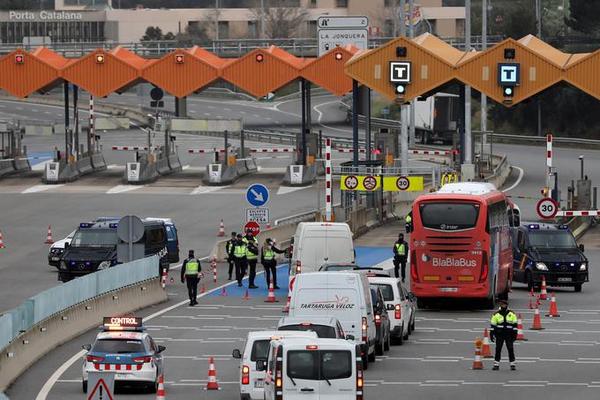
257, 195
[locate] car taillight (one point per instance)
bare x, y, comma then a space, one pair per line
298, 266
140, 360
377, 319
397, 311
245, 375
484, 268
359, 379
413, 266
94, 359
365, 325
278, 375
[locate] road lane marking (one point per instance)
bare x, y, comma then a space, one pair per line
287, 190
41, 188
514, 185
123, 189
206, 189
45, 390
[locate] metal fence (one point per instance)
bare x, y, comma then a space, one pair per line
59, 298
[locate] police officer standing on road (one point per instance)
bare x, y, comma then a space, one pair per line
408, 226
237, 253
190, 271
400, 256
228, 247
267, 258
251, 257
504, 330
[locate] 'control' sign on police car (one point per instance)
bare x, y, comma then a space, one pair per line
509, 74
400, 71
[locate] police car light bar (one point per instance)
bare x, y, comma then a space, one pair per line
86, 225
534, 226
122, 323
562, 226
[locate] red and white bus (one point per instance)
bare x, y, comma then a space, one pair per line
460, 245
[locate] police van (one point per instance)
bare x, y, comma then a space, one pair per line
94, 248
549, 251
312, 369
254, 358
343, 295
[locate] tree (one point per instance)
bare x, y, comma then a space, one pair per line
153, 33
584, 16
280, 22
194, 34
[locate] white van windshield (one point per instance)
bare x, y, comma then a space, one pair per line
319, 365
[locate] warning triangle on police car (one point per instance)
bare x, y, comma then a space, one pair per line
100, 392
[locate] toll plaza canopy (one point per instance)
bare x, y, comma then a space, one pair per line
509, 72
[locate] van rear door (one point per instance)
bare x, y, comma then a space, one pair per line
301, 375
336, 367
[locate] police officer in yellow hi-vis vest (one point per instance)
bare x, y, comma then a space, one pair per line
408, 226
504, 330
251, 258
191, 271
400, 256
269, 262
237, 253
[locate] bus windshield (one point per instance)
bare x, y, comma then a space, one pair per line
449, 216
552, 240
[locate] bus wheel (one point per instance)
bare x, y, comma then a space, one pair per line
421, 303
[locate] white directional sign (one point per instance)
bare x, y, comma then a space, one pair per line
259, 214
341, 31
400, 71
547, 208
508, 74
332, 38
342, 22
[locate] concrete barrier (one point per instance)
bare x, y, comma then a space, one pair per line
21, 164
62, 327
175, 163
501, 172
84, 165
6, 167
98, 162
162, 166
112, 123
205, 125
46, 130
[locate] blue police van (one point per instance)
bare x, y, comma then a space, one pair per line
548, 250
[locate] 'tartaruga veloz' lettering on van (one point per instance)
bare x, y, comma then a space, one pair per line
452, 262
338, 304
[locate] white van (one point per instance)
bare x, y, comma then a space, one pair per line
398, 305
252, 371
307, 369
343, 295
317, 243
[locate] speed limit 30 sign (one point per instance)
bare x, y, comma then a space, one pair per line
547, 208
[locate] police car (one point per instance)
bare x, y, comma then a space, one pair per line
550, 251
125, 349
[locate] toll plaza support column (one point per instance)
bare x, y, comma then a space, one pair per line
302, 160
181, 107
66, 100
355, 94
76, 121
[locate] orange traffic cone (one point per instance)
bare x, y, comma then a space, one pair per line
537, 321
520, 335
553, 312
1, 241
543, 291
212, 376
49, 236
286, 308
221, 229
246, 295
160, 392
477, 362
271, 297
223, 291
486, 351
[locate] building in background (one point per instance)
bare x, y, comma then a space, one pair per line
102, 20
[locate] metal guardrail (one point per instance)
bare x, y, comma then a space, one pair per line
59, 298
222, 48
542, 139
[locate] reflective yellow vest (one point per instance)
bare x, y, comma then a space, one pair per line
501, 324
239, 250
249, 254
268, 254
408, 219
400, 249
191, 267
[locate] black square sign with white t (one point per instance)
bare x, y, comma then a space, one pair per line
400, 71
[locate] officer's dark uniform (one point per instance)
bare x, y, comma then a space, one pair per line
190, 271
504, 330
228, 247
251, 258
400, 256
237, 253
267, 258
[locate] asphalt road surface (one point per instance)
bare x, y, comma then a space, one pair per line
435, 363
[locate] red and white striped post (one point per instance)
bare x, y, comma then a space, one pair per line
213, 264
92, 131
328, 179
548, 161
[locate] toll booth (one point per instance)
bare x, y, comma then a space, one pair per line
300, 174
13, 155
386, 147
